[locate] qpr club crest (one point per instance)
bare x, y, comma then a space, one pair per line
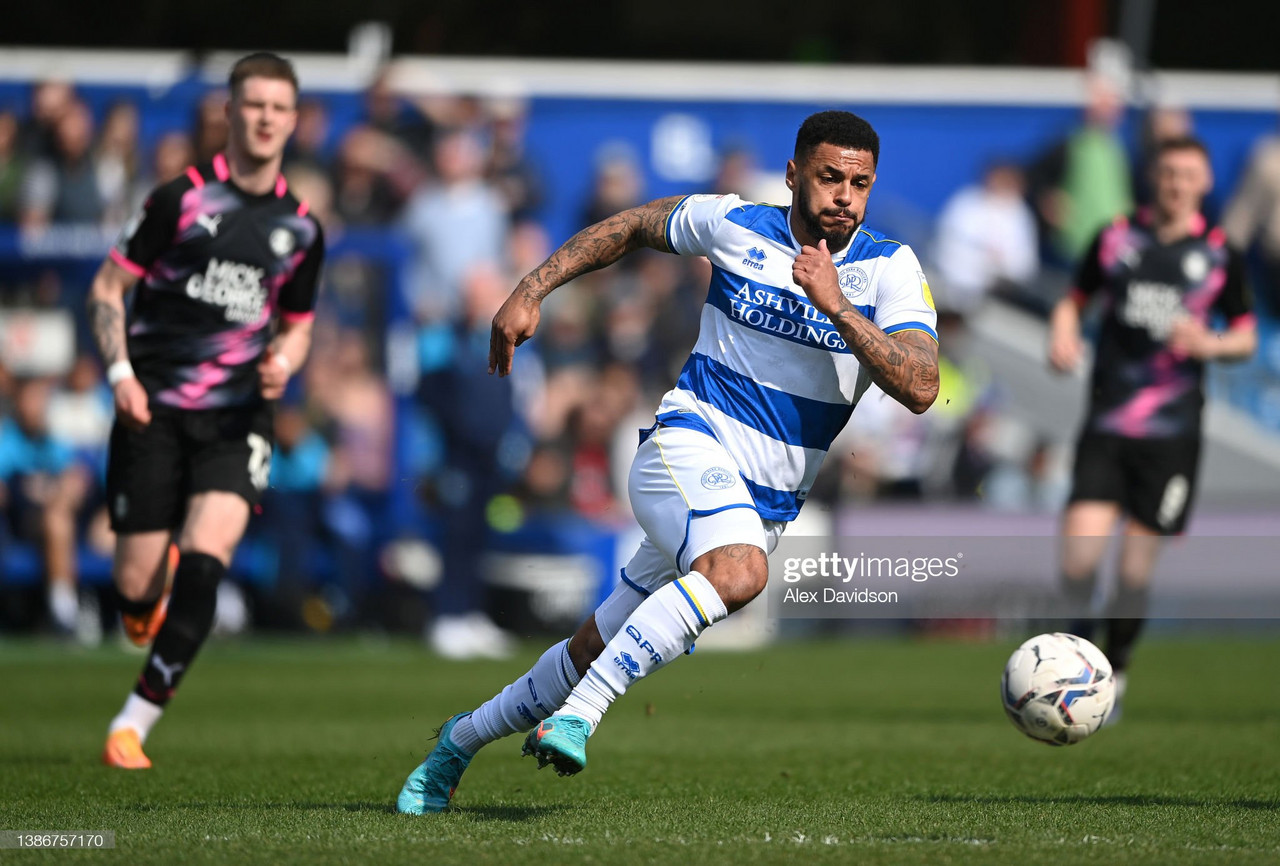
853, 281
282, 242
718, 478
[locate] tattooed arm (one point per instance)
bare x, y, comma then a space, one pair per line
904, 365
592, 248
107, 321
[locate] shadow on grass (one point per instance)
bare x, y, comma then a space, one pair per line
384, 807
1101, 800
511, 814
503, 814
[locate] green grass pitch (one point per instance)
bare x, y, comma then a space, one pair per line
866, 751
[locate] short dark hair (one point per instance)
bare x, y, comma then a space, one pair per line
1181, 142
261, 64
841, 128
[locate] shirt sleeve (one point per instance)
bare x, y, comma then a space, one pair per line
903, 299
692, 226
1235, 301
151, 230
298, 296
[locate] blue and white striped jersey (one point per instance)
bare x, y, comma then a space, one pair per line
770, 377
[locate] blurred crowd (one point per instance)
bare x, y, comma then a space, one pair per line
480, 455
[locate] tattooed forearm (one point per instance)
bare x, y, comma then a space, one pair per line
904, 365
106, 319
600, 245
105, 307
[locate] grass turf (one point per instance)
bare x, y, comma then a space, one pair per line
855, 751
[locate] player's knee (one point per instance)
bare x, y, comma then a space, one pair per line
739, 573
136, 577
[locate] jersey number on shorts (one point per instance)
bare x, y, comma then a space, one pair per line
259, 461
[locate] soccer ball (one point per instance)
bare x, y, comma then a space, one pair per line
1058, 688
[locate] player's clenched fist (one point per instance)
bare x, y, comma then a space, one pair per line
514, 323
132, 407
814, 272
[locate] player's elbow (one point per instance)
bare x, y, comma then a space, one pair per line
919, 400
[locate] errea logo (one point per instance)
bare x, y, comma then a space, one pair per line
755, 258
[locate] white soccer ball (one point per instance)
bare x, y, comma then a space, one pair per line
1058, 688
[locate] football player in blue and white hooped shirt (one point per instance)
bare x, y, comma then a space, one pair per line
805, 310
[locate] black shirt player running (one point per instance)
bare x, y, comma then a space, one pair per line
1163, 275
226, 262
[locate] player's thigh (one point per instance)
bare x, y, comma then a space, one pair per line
230, 452
1163, 474
1098, 474
688, 495
146, 476
230, 465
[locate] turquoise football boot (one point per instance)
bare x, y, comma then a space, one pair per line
560, 741
430, 787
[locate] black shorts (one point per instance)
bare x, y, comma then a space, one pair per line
152, 473
1153, 480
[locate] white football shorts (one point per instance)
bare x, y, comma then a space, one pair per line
689, 498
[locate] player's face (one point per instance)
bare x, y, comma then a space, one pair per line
1182, 180
262, 116
829, 193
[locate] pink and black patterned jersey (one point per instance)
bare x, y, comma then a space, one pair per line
1142, 389
215, 266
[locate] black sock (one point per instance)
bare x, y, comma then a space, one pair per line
1077, 596
1126, 618
187, 624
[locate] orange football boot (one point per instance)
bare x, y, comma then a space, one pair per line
124, 750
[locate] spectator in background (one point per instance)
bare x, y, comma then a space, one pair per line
173, 153
64, 187
455, 224
509, 168
12, 168
308, 147
356, 400
986, 240
1252, 217
1083, 181
1162, 122
477, 417
618, 183
51, 99
369, 173
43, 488
118, 164
387, 113
209, 135
306, 525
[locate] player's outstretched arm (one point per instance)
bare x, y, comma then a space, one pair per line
107, 321
594, 247
904, 364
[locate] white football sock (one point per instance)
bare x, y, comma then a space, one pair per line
521, 705
664, 625
64, 604
138, 713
